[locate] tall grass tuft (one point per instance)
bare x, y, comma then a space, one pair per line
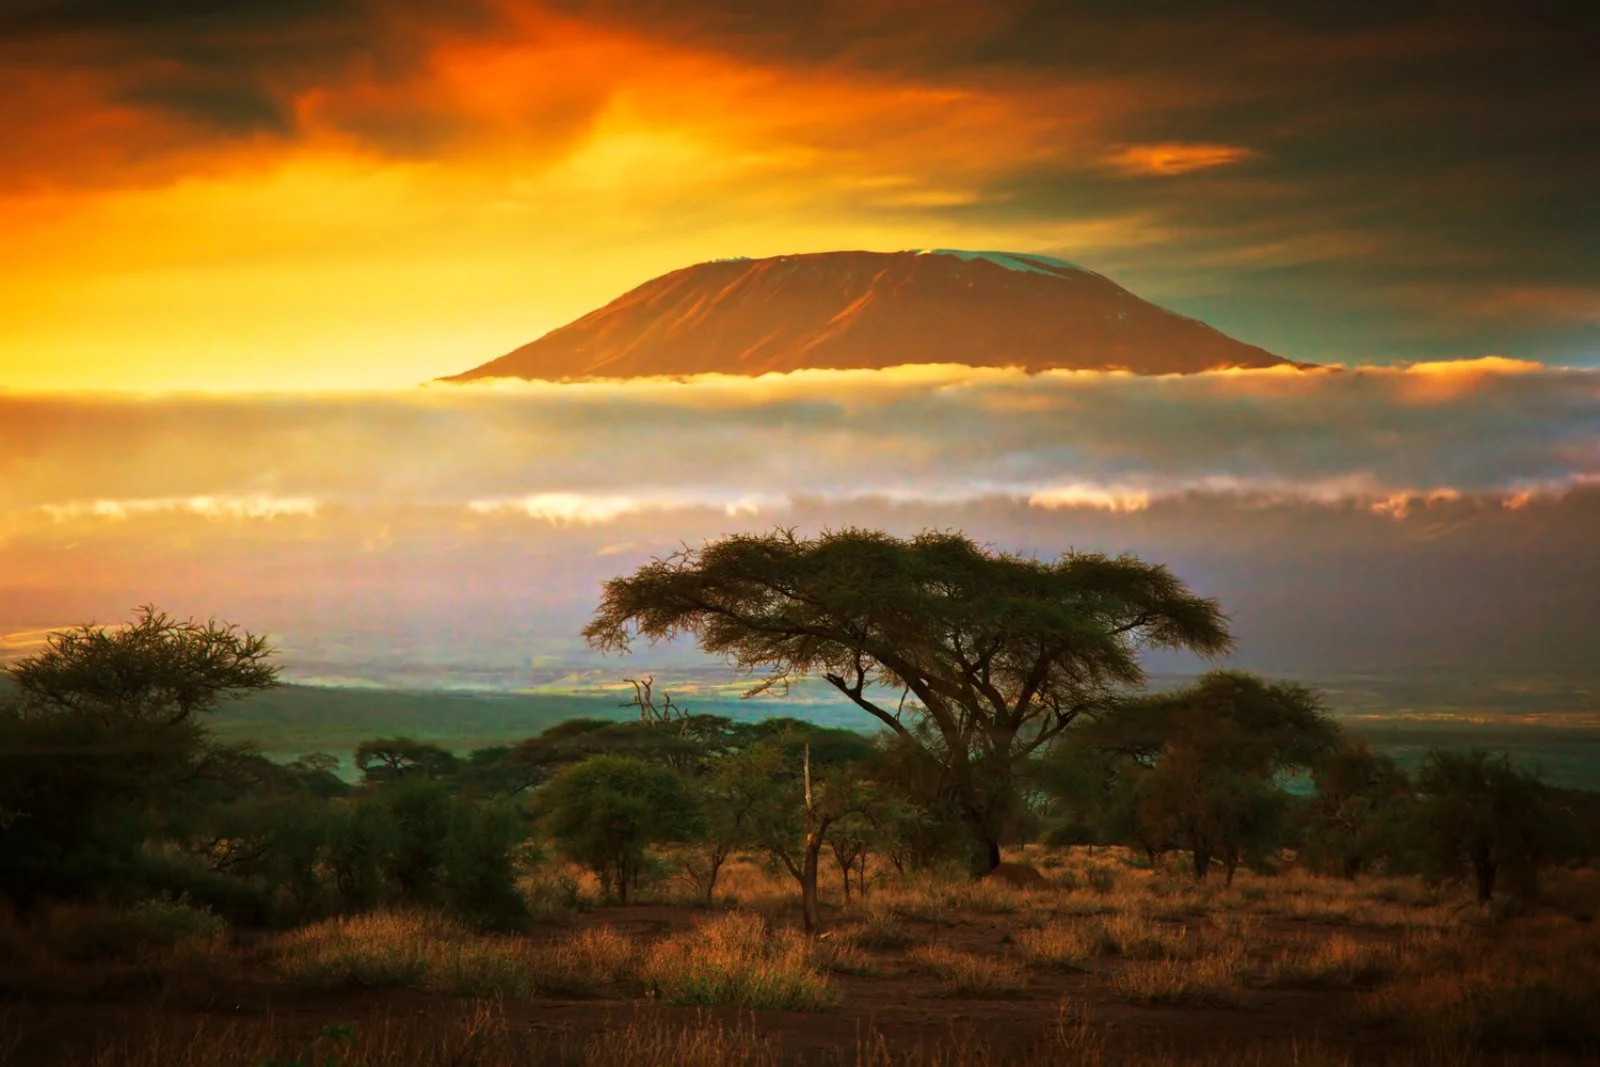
967, 974
737, 960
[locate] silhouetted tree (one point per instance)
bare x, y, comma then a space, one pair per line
999, 653
790, 804
1358, 815
389, 759
1484, 817
1211, 754
102, 748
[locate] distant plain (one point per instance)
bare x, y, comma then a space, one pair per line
1550, 724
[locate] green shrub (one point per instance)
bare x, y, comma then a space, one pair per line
606, 811
480, 870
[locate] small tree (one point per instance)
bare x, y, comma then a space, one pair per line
790, 807
481, 863
1358, 816
361, 833
421, 815
998, 653
156, 670
1212, 753
606, 811
729, 809
103, 748
1210, 811
1482, 816
390, 759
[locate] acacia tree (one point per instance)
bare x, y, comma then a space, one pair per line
386, 759
156, 670
998, 653
103, 746
1358, 815
1205, 760
1483, 816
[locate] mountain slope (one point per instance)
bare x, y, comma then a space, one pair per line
855, 310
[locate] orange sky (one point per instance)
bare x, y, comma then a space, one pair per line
224, 196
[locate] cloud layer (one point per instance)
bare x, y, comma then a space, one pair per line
1386, 439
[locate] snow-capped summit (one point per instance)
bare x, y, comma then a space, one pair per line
868, 310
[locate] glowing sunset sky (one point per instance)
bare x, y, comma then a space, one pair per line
302, 194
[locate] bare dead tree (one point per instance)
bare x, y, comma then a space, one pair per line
666, 714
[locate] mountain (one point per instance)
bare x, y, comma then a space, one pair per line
850, 310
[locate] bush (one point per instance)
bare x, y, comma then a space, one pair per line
606, 811
358, 835
236, 901
1483, 818
480, 872
552, 895
422, 816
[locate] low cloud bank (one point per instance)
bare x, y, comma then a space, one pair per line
1387, 439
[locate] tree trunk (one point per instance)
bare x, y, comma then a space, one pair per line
1202, 863
986, 854
714, 868
808, 891
1485, 868
808, 870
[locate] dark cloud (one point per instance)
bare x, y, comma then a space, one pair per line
232, 67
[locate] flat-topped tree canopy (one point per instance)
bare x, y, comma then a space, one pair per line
997, 652
155, 668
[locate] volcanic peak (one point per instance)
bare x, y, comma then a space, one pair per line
871, 310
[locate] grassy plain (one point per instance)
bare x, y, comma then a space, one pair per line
1114, 962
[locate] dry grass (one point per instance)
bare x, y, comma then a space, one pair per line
1341, 961
879, 932
380, 949
841, 956
738, 960
967, 974
1443, 981
1536, 991
426, 951
87, 948
480, 1036
1215, 980
1064, 946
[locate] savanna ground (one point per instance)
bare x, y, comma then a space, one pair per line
1114, 961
